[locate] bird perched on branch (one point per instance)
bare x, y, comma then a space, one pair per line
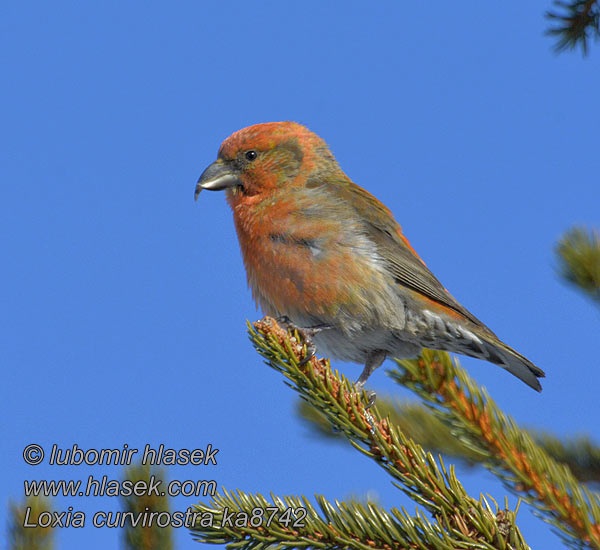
326, 254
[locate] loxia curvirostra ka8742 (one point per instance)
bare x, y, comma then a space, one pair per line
323, 252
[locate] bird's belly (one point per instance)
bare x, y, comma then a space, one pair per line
412, 330
335, 344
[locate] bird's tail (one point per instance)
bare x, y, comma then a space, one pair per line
499, 353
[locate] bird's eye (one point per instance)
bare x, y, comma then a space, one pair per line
251, 155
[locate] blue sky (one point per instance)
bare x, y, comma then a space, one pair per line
124, 302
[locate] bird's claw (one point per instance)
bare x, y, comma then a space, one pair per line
310, 352
371, 397
307, 333
285, 321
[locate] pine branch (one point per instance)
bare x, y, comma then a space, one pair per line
246, 522
510, 452
149, 537
578, 252
413, 419
580, 454
577, 23
468, 522
29, 538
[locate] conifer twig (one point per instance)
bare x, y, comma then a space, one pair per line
579, 453
246, 522
509, 451
578, 253
464, 521
138, 536
578, 21
25, 537
424, 427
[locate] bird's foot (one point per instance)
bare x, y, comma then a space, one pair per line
371, 395
311, 349
307, 334
285, 321
374, 361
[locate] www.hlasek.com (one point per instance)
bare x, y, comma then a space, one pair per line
151, 486
106, 487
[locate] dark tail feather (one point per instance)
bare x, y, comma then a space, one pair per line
511, 360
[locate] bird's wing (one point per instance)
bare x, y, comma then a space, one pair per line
403, 262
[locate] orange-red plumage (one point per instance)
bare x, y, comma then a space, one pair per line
321, 250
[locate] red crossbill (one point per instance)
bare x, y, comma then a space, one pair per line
323, 252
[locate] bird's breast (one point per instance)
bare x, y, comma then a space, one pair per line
313, 267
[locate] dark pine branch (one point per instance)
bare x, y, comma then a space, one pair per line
576, 23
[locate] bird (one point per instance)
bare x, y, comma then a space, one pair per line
325, 255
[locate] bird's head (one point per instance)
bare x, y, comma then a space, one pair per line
261, 158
